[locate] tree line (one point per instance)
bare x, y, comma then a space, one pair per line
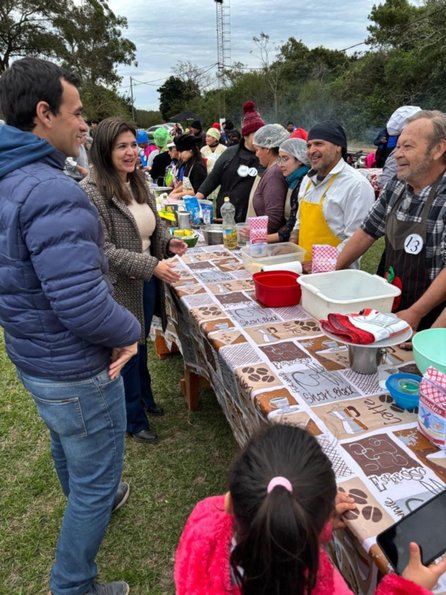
402, 62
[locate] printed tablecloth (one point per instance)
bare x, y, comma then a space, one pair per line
275, 365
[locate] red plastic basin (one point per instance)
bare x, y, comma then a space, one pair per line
277, 288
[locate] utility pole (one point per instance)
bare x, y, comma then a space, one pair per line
223, 22
131, 99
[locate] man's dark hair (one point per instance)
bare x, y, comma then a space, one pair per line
25, 83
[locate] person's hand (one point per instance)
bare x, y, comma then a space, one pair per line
120, 356
411, 317
165, 271
243, 233
424, 576
177, 246
343, 503
306, 266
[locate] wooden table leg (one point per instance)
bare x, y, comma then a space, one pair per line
190, 385
162, 350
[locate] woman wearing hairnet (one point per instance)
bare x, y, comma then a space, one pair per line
294, 164
268, 195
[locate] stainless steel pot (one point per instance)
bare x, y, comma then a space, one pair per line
213, 234
365, 360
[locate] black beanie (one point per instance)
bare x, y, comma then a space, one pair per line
331, 131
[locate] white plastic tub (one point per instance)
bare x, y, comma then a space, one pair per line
279, 253
344, 292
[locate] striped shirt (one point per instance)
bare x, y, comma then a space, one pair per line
410, 209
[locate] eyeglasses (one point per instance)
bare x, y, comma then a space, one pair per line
283, 159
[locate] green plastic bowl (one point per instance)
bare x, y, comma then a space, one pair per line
429, 349
191, 241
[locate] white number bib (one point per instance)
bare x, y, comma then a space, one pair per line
413, 244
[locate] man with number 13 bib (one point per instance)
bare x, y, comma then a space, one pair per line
411, 215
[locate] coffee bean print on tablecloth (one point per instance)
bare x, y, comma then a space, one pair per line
285, 354
207, 313
332, 355
237, 298
257, 376
369, 517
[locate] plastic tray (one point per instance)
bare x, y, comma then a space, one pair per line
275, 254
344, 292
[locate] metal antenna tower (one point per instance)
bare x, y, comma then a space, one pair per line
223, 35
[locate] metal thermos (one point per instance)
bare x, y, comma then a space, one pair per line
183, 220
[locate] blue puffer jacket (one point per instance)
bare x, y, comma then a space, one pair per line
59, 317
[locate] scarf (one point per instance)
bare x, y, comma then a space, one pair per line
293, 179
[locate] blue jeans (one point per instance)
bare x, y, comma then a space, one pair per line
86, 419
136, 376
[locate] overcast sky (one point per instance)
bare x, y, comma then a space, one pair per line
168, 31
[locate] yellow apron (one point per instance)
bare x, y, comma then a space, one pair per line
313, 229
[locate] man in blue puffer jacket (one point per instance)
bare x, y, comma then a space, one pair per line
63, 330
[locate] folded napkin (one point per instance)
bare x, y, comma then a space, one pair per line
364, 327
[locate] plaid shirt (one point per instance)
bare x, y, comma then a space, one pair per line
410, 209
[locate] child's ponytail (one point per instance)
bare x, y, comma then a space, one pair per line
283, 491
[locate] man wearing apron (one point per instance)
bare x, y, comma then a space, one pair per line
411, 215
333, 198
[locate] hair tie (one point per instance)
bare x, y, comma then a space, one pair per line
279, 481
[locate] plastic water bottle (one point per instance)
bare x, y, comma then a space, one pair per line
229, 229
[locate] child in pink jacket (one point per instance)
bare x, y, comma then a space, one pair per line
263, 537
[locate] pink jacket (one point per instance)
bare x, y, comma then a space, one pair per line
202, 559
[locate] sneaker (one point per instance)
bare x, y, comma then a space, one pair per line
122, 495
115, 588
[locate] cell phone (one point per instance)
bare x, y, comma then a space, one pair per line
426, 526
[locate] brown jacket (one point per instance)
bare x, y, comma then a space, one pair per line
129, 267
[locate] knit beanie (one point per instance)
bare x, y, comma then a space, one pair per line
251, 120
196, 124
161, 137
214, 133
216, 125
331, 131
185, 142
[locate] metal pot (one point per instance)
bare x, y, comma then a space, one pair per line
365, 360
213, 234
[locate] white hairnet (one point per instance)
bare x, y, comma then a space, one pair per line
398, 119
297, 148
270, 136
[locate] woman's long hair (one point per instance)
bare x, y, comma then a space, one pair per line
105, 175
277, 533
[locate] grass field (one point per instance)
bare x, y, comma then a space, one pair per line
189, 463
